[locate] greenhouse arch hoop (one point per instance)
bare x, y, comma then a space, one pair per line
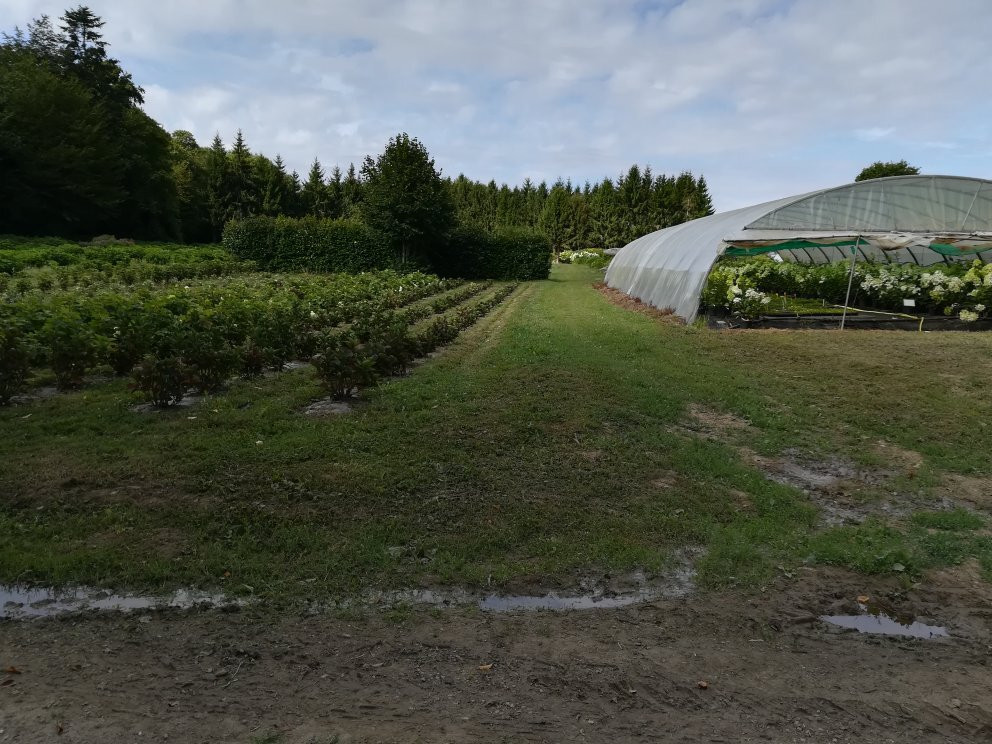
903, 219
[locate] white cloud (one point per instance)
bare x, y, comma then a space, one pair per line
874, 133
764, 97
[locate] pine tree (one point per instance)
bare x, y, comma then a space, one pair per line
294, 196
84, 52
240, 196
704, 204
556, 217
218, 192
274, 200
351, 191
314, 194
335, 195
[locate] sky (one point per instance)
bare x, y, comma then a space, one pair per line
765, 98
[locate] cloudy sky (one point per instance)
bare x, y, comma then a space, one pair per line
766, 98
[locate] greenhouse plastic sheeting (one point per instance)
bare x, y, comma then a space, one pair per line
905, 219
668, 268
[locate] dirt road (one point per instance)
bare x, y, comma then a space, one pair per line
719, 667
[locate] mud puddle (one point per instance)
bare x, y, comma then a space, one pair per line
552, 601
621, 591
555, 602
21, 602
190, 399
329, 407
877, 619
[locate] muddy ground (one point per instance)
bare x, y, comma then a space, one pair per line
711, 668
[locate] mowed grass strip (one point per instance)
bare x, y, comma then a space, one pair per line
548, 441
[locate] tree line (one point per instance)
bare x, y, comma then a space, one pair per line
81, 158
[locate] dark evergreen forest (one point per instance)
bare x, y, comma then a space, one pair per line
80, 157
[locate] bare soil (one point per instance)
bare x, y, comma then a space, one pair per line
627, 302
845, 492
727, 667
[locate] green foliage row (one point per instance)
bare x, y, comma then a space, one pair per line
956, 289
386, 343
311, 244
19, 253
512, 253
210, 329
68, 278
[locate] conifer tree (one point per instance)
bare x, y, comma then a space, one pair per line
240, 197
274, 200
556, 217
218, 190
351, 191
335, 194
314, 194
294, 196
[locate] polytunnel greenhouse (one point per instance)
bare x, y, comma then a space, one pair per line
904, 219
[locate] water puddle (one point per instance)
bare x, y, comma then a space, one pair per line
882, 621
555, 602
20, 602
329, 407
634, 588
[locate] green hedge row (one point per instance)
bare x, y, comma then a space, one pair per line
310, 244
510, 253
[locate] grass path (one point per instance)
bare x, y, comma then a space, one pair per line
553, 438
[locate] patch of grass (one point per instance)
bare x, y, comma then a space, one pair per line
955, 519
874, 547
531, 447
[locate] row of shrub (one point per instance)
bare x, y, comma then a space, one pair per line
379, 342
743, 286
17, 253
387, 343
53, 277
311, 244
218, 326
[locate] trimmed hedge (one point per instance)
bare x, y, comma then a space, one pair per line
309, 244
510, 253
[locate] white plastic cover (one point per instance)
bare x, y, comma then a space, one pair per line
893, 220
668, 268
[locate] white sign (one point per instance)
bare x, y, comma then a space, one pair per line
909, 303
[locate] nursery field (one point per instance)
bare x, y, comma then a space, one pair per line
173, 327
558, 442
534, 448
